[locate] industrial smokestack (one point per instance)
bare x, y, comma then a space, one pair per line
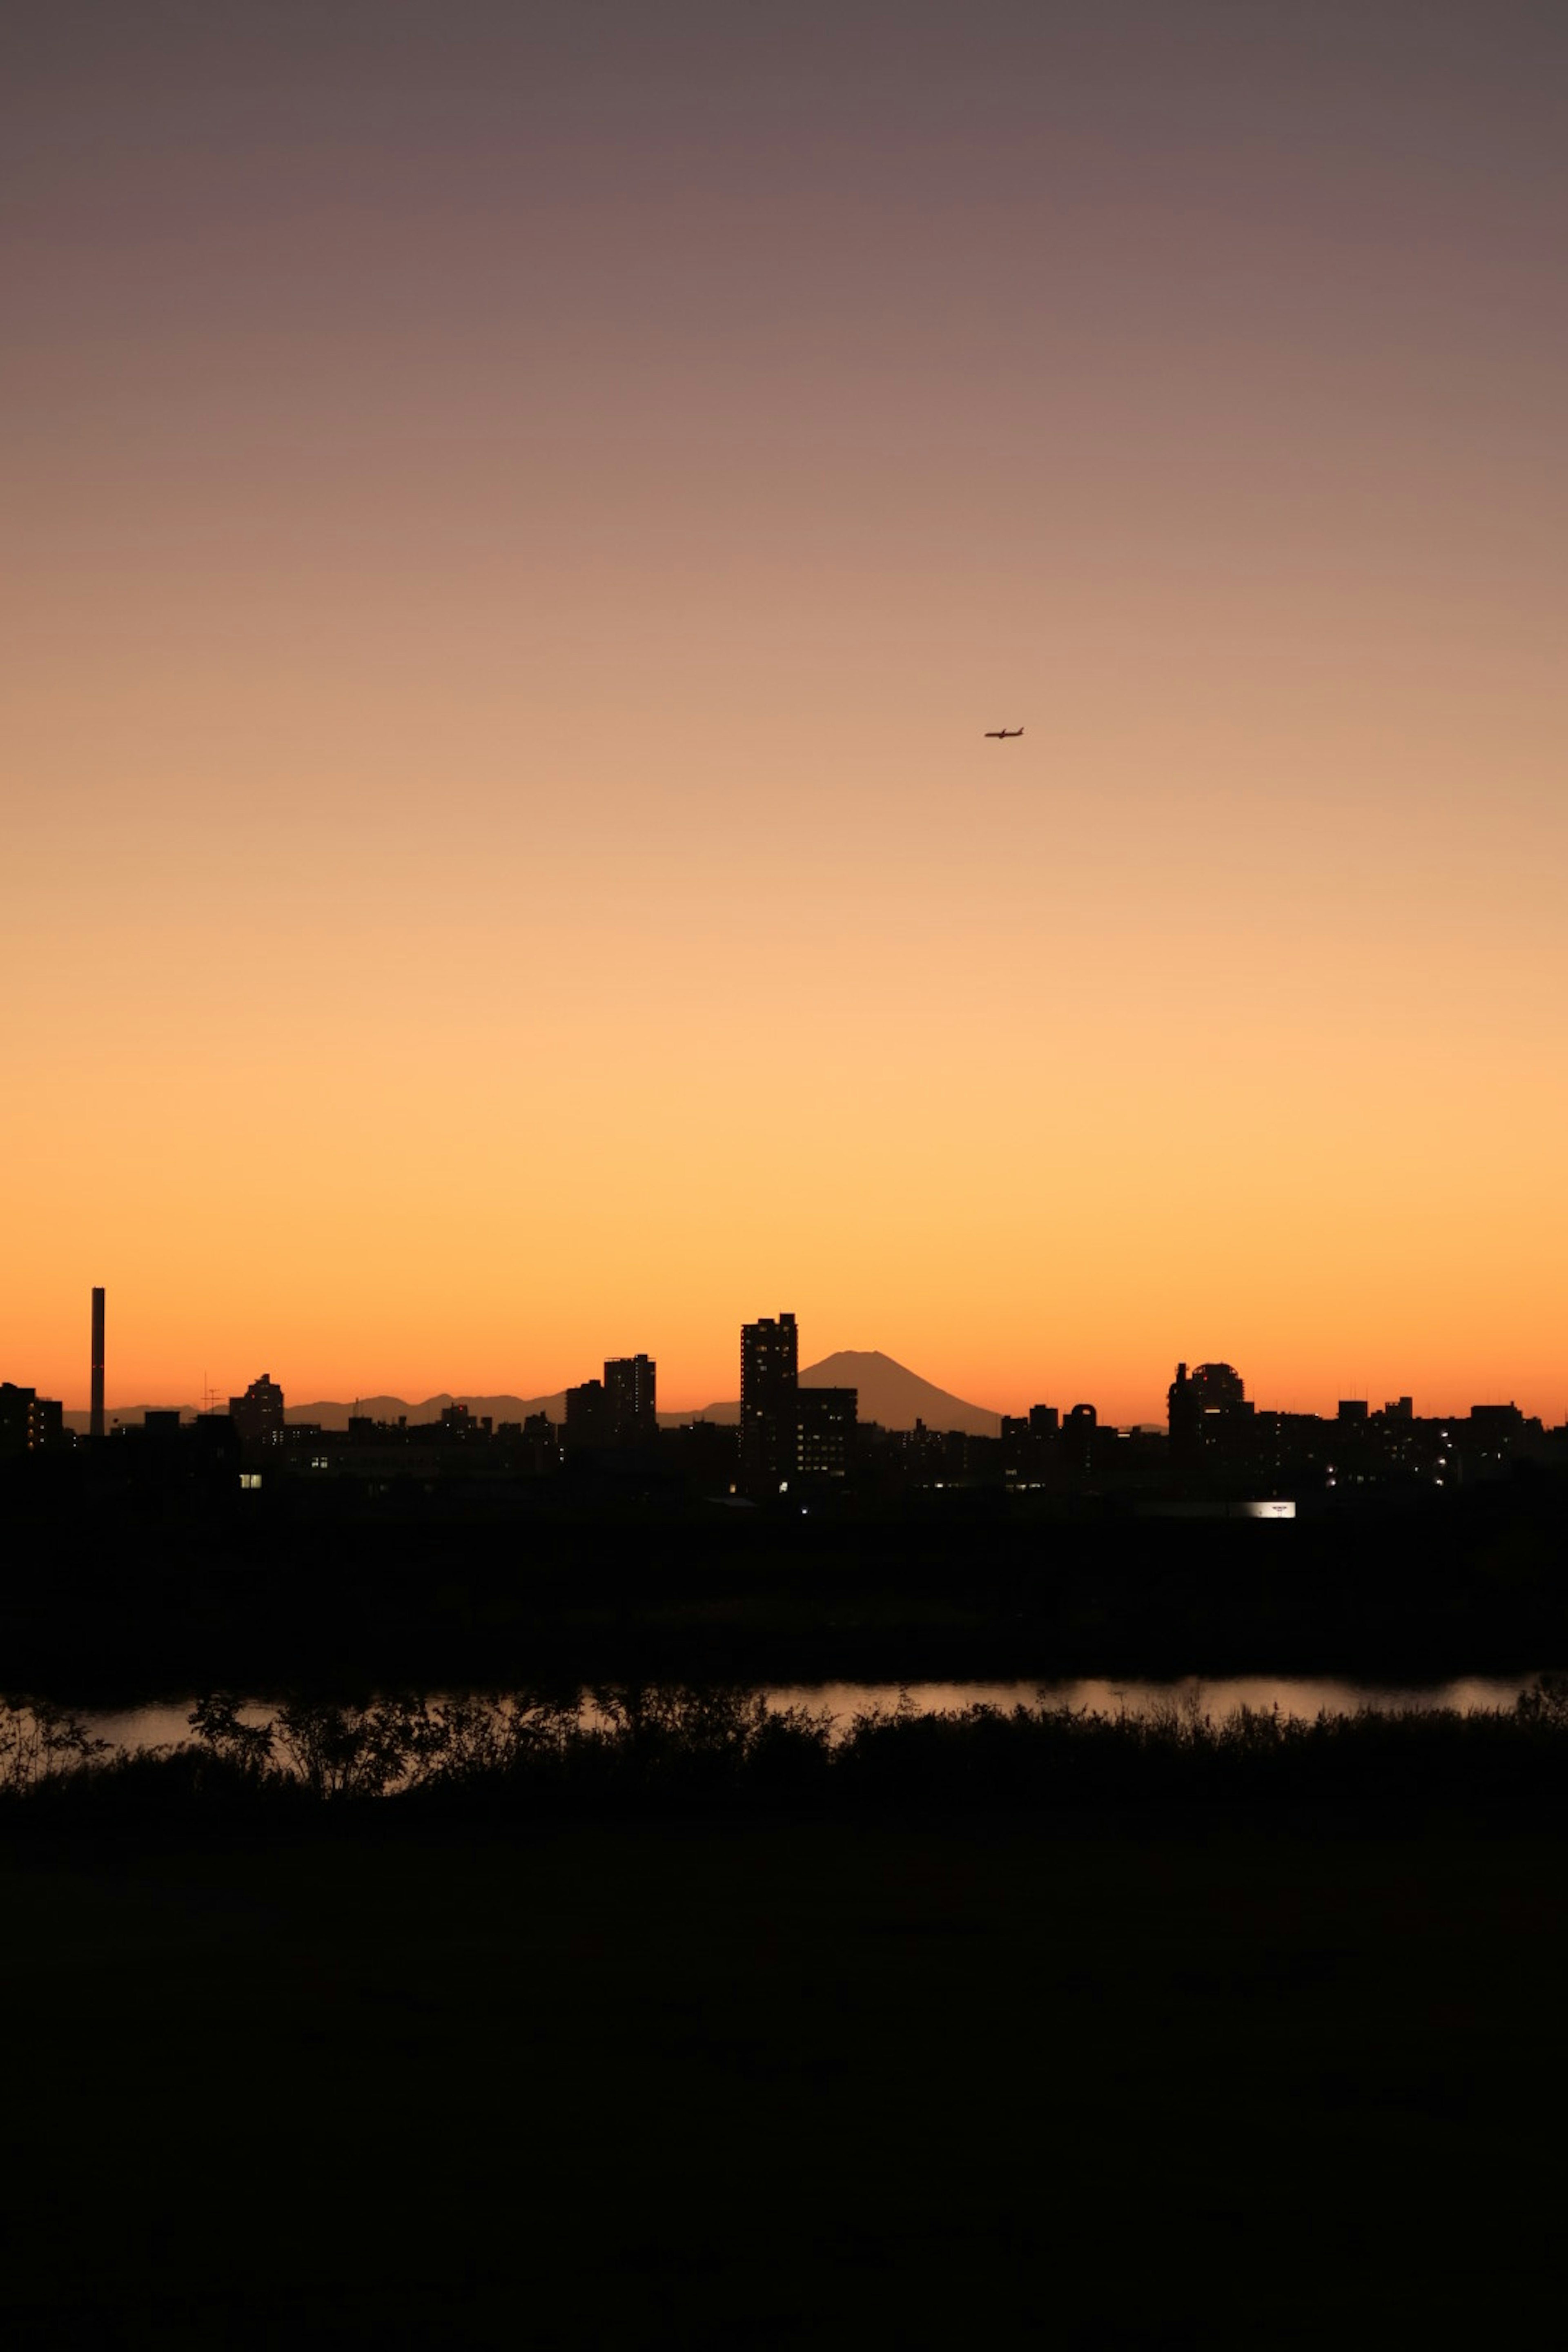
98, 1363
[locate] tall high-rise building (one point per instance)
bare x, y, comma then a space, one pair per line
96, 1423
258, 1416
1217, 1388
1211, 1422
770, 1366
629, 1389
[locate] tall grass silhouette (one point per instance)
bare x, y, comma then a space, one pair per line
640, 1749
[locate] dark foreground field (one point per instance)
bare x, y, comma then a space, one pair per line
759, 2082
102, 1605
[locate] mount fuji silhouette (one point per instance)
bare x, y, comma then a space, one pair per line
889, 1392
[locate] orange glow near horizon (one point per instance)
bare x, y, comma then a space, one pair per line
501, 866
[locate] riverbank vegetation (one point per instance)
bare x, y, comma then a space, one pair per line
628, 1751
659, 2014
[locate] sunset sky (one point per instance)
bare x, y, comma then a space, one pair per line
516, 518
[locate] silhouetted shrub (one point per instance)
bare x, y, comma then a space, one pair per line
38, 1741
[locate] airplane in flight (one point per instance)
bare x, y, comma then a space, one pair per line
1002, 734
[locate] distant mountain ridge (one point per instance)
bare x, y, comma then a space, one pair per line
130, 1416
333, 1415
888, 1393
330, 1413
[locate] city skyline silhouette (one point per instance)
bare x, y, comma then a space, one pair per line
916, 1396
855, 1427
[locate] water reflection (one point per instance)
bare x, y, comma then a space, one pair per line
1301, 1697
1296, 1697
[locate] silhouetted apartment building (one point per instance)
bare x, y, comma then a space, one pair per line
258, 1416
459, 1426
193, 1460
1081, 1444
825, 1431
700, 1456
1492, 1436
769, 1365
590, 1423
541, 1444
629, 1389
1497, 1424
1181, 1409
1029, 1446
949, 1457
29, 1423
1208, 1414
1219, 1388
617, 1412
